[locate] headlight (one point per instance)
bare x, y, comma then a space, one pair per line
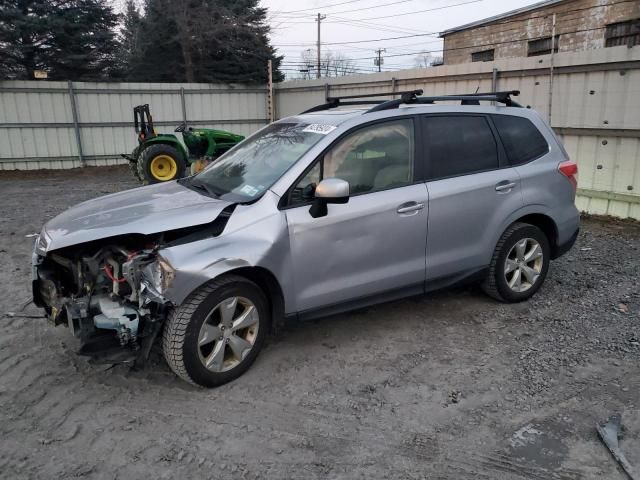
42, 242
162, 274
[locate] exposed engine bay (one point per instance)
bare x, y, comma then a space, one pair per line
108, 291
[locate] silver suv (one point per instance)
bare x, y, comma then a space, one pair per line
314, 214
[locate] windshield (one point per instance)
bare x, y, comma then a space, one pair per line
252, 167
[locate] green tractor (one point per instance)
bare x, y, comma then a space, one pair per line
160, 157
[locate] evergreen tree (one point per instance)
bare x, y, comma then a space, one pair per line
25, 33
83, 40
71, 39
128, 40
158, 56
205, 41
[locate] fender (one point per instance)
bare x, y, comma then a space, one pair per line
244, 243
166, 139
534, 209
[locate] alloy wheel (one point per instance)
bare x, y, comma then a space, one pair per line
523, 265
228, 334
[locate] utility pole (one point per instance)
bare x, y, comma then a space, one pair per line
270, 100
553, 49
319, 19
379, 61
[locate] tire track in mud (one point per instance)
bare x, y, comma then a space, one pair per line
498, 463
17, 360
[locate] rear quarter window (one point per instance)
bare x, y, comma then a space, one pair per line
521, 139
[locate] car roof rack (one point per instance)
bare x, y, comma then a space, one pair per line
465, 99
333, 102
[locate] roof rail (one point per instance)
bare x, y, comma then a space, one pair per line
333, 102
465, 99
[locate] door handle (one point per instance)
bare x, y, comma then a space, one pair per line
410, 207
502, 186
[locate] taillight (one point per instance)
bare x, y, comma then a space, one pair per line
569, 169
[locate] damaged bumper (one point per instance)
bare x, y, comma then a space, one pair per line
114, 291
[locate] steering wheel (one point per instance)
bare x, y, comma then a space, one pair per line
181, 127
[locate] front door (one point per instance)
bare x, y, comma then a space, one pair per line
376, 242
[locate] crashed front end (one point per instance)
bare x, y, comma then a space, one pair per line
108, 292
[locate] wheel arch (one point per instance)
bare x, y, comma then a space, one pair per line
537, 215
269, 284
175, 143
547, 225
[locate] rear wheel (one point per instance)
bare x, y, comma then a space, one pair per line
217, 333
160, 163
519, 265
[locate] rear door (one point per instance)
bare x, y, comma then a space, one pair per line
471, 189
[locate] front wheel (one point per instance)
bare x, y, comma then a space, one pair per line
519, 265
217, 333
160, 163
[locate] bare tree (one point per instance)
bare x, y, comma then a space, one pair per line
332, 64
341, 65
307, 64
336, 64
426, 60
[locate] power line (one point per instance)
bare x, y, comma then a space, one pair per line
401, 14
483, 45
420, 11
302, 15
320, 7
437, 33
372, 7
375, 25
366, 41
476, 46
379, 28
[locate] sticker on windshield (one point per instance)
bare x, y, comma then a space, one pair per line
250, 190
318, 128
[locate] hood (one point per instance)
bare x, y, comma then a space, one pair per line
144, 210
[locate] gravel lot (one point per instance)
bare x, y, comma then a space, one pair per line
450, 385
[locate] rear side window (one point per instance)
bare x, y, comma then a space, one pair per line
458, 145
521, 139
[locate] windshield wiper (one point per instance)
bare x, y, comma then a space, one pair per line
203, 187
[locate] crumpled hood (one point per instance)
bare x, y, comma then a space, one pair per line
145, 210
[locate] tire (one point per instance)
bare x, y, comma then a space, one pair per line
518, 268
189, 345
160, 163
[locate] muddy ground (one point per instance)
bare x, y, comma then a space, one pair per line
451, 385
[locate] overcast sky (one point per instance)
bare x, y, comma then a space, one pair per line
294, 28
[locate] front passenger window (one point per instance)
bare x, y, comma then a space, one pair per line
373, 158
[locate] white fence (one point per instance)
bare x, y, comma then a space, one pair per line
66, 125
595, 107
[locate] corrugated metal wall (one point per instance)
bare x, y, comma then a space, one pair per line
37, 127
595, 110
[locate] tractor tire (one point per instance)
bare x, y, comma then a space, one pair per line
160, 163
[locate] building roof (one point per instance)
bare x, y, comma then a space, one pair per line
511, 13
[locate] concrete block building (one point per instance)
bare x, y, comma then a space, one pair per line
527, 31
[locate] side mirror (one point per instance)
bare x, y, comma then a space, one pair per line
329, 190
